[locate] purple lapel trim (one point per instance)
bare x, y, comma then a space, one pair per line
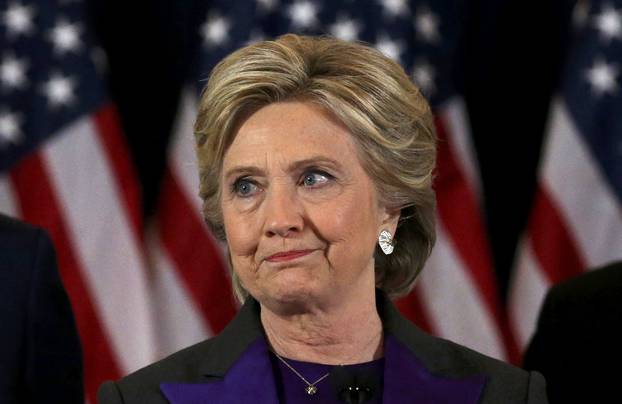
407, 380
249, 380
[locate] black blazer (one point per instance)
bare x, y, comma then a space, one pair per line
578, 337
40, 356
204, 366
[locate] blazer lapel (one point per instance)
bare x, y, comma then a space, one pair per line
240, 370
407, 380
250, 379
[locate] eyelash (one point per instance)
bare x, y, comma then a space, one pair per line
235, 187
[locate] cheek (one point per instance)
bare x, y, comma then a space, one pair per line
241, 237
349, 229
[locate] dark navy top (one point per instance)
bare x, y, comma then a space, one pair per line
292, 390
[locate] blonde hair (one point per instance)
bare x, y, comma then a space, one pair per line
388, 117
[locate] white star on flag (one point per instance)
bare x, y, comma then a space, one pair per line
426, 25
267, 5
18, 19
609, 23
9, 127
602, 77
345, 29
216, 30
423, 75
12, 72
65, 37
394, 8
303, 14
59, 90
390, 47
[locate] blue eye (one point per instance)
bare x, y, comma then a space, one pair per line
243, 187
313, 179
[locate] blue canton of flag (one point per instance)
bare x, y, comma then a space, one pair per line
420, 35
47, 76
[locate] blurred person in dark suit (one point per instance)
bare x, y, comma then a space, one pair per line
578, 338
40, 354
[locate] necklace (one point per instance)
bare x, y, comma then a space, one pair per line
311, 388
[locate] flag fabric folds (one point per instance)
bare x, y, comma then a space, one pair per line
576, 219
64, 166
456, 296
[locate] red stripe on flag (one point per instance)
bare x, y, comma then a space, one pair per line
195, 255
458, 211
552, 243
39, 205
111, 138
410, 306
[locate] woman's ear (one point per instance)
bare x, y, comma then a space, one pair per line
390, 218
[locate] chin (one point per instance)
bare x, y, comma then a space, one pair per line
290, 296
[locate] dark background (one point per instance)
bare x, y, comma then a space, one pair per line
511, 55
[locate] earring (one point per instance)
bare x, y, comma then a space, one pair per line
385, 240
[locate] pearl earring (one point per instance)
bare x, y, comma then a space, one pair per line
385, 240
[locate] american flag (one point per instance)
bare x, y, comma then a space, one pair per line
456, 295
64, 166
576, 219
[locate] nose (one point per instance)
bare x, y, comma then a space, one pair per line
283, 212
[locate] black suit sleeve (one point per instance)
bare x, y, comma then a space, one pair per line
53, 372
109, 394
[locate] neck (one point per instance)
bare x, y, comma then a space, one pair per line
344, 334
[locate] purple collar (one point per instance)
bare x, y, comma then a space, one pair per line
406, 380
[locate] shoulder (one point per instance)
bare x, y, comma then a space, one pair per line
143, 386
504, 382
203, 362
18, 241
580, 312
581, 303
26, 257
597, 285
16, 230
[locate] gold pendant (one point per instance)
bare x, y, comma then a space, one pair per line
311, 390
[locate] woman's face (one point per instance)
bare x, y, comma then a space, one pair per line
301, 215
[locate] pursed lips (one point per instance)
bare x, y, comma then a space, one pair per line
288, 255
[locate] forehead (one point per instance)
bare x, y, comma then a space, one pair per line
290, 131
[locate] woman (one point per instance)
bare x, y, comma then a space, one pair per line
316, 159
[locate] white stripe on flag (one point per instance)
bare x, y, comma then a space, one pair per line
454, 116
179, 323
587, 203
99, 230
7, 198
183, 160
528, 288
183, 163
452, 301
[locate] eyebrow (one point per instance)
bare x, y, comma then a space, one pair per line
296, 165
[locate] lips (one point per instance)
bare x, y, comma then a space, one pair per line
288, 255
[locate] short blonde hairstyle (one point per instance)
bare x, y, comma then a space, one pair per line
386, 114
